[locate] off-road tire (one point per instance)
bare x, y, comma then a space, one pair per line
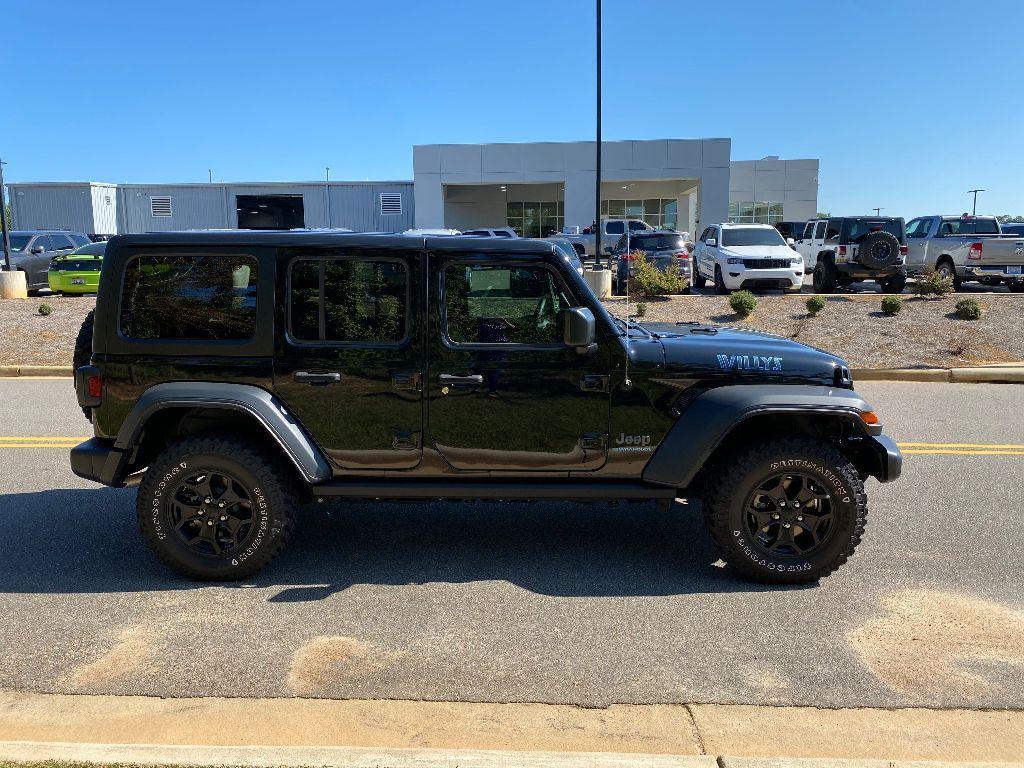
735, 479
83, 349
720, 289
824, 280
274, 502
893, 283
879, 250
697, 278
948, 269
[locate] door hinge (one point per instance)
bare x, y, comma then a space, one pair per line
594, 383
407, 380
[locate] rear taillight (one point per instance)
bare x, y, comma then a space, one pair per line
94, 386
975, 251
627, 257
842, 250
682, 254
904, 250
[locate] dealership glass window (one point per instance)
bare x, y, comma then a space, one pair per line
535, 219
348, 300
755, 212
502, 304
189, 297
661, 213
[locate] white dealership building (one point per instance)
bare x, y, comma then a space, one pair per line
536, 187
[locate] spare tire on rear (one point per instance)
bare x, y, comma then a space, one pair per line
879, 250
83, 349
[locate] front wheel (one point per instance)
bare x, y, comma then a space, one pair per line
215, 508
720, 288
894, 283
788, 511
824, 280
698, 279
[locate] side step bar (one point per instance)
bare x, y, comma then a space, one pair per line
389, 488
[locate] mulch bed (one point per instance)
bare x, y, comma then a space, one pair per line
925, 334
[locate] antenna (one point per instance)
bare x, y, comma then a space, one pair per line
629, 254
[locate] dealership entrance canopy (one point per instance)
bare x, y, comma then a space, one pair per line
538, 188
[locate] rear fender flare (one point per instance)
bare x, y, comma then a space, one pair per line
266, 409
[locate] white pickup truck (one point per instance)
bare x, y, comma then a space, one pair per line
954, 246
612, 230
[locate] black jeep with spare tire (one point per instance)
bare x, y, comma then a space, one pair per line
235, 376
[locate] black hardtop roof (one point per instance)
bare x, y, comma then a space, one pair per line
281, 238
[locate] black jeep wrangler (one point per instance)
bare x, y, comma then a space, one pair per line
237, 375
848, 249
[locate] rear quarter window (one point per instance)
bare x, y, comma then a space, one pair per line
189, 297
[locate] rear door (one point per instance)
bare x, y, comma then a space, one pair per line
917, 243
350, 361
504, 393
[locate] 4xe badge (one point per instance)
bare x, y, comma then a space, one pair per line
749, 363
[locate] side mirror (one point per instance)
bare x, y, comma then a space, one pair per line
38, 249
579, 328
711, 242
790, 241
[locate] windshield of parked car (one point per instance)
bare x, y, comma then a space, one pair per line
1013, 229
92, 249
18, 242
854, 230
969, 226
740, 236
656, 242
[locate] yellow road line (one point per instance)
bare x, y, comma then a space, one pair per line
986, 446
963, 453
45, 439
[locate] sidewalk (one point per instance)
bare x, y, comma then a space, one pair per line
222, 731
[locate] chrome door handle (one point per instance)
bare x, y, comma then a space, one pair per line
449, 378
317, 379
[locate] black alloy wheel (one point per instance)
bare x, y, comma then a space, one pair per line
789, 515
212, 513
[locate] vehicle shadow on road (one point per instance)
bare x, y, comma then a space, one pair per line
86, 540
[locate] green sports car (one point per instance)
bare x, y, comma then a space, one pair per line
78, 271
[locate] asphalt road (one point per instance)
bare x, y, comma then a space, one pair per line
546, 602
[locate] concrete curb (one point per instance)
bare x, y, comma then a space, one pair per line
60, 371
360, 757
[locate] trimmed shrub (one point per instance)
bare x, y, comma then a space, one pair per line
45, 309
932, 283
968, 309
641, 309
892, 305
648, 280
814, 305
742, 303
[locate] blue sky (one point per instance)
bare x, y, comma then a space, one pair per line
907, 104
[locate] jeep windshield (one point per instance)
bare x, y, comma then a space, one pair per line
733, 237
854, 230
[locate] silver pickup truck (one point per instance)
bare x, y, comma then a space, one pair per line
962, 247
612, 230
998, 261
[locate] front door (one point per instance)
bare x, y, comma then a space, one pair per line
503, 391
350, 362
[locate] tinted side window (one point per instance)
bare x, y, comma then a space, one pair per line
808, 231
832, 231
42, 241
819, 229
80, 240
489, 304
178, 296
615, 228
362, 301
60, 242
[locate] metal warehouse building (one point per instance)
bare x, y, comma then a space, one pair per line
536, 187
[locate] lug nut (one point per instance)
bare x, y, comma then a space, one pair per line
796, 503
786, 525
210, 522
782, 503
221, 504
799, 518
775, 516
223, 518
201, 512
207, 500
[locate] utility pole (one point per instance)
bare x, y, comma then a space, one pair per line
3, 204
597, 188
878, 211
974, 210
209, 172
327, 193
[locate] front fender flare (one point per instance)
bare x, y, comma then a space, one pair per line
713, 415
266, 409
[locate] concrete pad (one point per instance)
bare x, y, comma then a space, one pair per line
990, 374
900, 374
852, 734
782, 762
45, 370
341, 757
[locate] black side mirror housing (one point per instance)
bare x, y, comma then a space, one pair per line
579, 328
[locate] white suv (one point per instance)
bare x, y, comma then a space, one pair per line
740, 256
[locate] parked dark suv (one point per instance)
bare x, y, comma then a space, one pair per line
33, 249
235, 375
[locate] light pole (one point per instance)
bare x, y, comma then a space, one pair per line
3, 204
327, 193
597, 186
878, 211
974, 210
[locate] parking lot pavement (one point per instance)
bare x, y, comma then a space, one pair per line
515, 602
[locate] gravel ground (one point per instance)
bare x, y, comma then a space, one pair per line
925, 334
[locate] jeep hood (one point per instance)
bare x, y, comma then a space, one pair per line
725, 350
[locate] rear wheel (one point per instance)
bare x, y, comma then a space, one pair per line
83, 348
893, 283
788, 511
216, 509
947, 270
698, 279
